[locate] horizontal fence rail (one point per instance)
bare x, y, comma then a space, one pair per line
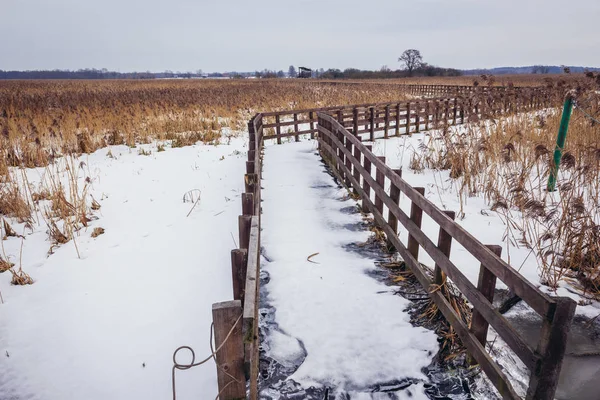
355, 165
445, 90
340, 131
398, 118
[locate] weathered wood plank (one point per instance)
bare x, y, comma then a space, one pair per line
392, 220
486, 285
416, 216
445, 245
380, 180
239, 263
552, 348
230, 357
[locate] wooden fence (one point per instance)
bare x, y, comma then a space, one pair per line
405, 117
365, 173
456, 90
236, 321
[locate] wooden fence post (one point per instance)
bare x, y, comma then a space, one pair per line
357, 156
372, 124
444, 244
247, 203
239, 265
392, 220
244, 222
380, 179
398, 119
417, 117
278, 129
551, 348
407, 129
348, 160
250, 183
366, 187
355, 121
416, 216
230, 357
486, 284
311, 116
296, 130
386, 119
426, 114
340, 153
250, 167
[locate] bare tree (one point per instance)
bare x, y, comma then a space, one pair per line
411, 59
292, 72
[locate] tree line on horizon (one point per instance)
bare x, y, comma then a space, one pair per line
412, 65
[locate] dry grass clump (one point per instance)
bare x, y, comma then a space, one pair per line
97, 232
508, 162
68, 209
13, 202
5, 265
20, 278
60, 202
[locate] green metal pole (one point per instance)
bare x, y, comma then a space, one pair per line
560, 141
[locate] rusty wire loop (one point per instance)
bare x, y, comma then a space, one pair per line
193, 363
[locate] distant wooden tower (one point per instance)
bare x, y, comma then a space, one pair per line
305, 72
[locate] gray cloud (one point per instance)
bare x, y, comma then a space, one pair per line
240, 35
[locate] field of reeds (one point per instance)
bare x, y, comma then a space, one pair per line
40, 120
47, 124
508, 160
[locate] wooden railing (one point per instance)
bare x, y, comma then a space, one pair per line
356, 165
405, 117
456, 90
236, 321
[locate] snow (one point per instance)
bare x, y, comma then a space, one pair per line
105, 325
354, 330
102, 319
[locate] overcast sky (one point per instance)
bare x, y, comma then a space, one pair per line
245, 35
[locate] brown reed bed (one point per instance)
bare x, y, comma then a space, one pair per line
508, 160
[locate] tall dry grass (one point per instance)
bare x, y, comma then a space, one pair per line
48, 123
508, 161
40, 120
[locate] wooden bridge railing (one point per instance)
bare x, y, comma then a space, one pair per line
241, 362
397, 118
457, 90
355, 164
238, 360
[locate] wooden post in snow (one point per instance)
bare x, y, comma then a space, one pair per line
230, 356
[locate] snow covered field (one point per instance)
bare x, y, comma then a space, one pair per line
105, 314
105, 325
